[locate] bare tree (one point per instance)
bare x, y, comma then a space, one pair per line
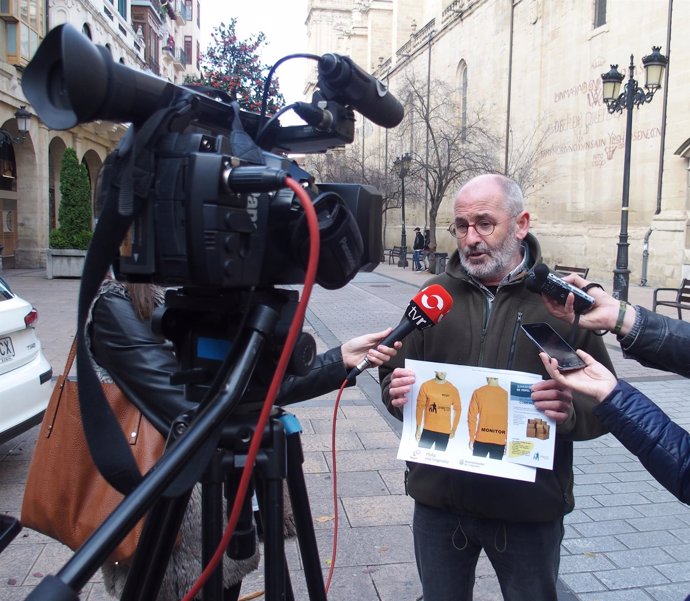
525, 154
446, 147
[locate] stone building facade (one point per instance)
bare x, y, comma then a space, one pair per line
159, 37
535, 66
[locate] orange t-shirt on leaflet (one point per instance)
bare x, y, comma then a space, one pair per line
490, 405
434, 403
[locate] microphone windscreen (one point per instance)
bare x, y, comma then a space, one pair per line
537, 277
434, 301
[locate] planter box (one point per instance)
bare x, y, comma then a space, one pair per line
64, 263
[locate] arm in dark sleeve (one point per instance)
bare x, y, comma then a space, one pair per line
659, 341
326, 375
662, 446
137, 360
583, 424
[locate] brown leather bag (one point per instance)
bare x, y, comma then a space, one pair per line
66, 497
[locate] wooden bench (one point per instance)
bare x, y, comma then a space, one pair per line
565, 270
681, 300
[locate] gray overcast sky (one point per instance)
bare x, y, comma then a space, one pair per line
283, 23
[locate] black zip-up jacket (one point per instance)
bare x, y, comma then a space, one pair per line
481, 333
140, 364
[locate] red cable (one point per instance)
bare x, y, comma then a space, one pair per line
334, 549
293, 333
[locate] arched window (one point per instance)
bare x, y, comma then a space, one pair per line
462, 97
86, 30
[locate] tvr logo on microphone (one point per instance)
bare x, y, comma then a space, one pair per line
417, 316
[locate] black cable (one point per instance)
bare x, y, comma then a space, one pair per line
269, 77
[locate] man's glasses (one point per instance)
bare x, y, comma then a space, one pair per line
483, 227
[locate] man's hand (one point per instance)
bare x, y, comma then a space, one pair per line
402, 381
593, 379
553, 399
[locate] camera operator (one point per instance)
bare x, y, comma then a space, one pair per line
657, 341
126, 350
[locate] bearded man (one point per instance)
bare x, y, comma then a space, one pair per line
457, 513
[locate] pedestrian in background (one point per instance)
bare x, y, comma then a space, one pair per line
417, 247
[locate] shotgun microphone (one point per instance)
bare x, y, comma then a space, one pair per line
426, 309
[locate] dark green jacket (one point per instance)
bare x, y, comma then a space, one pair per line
480, 333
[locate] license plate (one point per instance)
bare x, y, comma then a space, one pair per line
6, 349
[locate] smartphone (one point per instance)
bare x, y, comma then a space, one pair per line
549, 341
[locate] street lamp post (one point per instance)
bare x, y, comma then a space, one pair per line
401, 166
23, 118
632, 96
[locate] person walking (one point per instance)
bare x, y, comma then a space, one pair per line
417, 247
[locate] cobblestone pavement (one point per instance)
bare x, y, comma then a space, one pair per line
628, 539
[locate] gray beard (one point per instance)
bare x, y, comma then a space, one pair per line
500, 260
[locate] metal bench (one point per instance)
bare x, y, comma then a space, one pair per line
681, 300
565, 270
394, 254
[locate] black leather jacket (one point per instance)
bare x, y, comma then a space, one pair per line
141, 364
659, 341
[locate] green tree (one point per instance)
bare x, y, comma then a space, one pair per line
233, 66
74, 214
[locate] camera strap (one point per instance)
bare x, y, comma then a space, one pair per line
127, 176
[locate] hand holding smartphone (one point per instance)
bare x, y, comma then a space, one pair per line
550, 342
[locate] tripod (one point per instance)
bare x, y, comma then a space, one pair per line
209, 447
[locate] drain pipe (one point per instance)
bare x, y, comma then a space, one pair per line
660, 176
645, 257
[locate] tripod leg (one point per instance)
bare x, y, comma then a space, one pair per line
300, 505
155, 548
271, 466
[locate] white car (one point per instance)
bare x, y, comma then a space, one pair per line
25, 374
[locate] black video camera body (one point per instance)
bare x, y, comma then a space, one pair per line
209, 203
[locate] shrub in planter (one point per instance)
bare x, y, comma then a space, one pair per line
74, 214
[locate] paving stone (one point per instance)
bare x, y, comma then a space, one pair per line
357, 461
621, 500
676, 572
621, 595
582, 582
585, 562
669, 592
600, 514
380, 440
379, 511
599, 528
370, 546
640, 540
639, 557
596, 544
350, 484
344, 441
631, 578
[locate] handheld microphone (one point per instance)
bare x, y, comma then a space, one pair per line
542, 280
426, 309
342, 80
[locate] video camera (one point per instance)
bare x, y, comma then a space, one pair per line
215, 213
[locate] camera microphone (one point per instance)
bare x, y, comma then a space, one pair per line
426, 309
542, 280
342, 80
